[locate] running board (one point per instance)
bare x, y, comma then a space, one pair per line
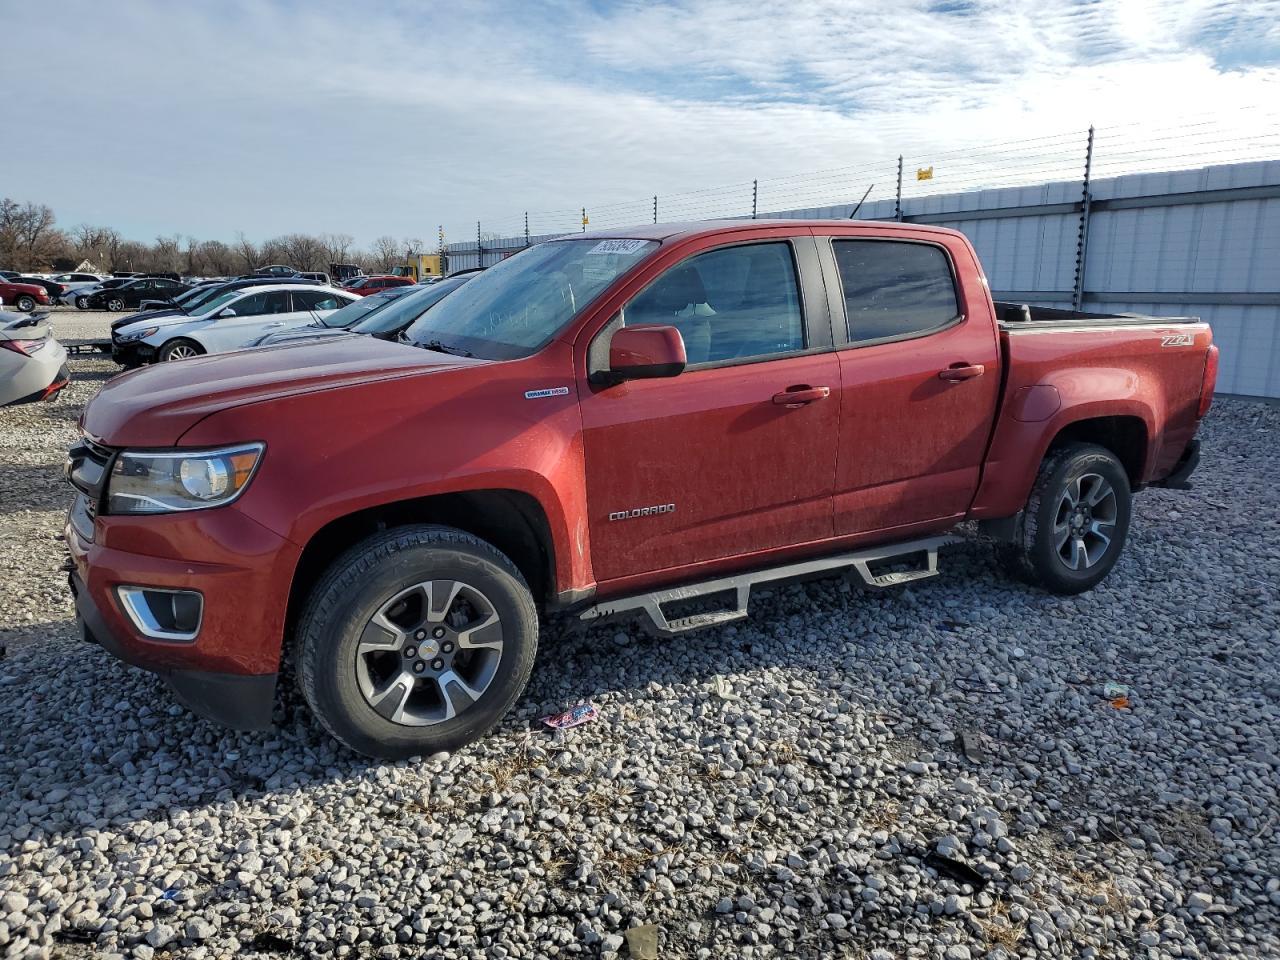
855, 565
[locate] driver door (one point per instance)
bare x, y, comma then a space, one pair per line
715, 462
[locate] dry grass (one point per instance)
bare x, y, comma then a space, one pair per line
999, 931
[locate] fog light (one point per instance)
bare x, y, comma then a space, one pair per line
163, 614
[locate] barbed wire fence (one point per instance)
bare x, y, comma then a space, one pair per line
890, 187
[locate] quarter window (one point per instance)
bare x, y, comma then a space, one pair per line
894, 289
730, 304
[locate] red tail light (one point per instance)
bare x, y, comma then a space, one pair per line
24, 347
1209, 382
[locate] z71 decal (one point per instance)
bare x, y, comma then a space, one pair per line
1178, 340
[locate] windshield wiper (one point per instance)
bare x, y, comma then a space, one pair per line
438, 347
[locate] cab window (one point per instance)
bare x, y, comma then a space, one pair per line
735, 303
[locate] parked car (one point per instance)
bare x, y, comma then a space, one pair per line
607, 424
51, 287
81, 297
33, 365
9, 274
317, 276
229, 321
343, 273
25, 296
192, 291
385, 315
363, 286
132, 293
76, 281
276, 270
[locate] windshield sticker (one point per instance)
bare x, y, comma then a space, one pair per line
548, 392
617, 246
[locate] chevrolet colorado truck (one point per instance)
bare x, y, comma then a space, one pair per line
644, 422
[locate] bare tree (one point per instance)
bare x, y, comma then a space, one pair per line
386, 253
27, 235
216, 258
166, 255
304, 251
337, 246
248, 253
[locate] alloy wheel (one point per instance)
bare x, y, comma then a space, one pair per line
1085, 521
429, 652
180, 351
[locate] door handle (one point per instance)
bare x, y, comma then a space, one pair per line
278, 323
961, 371
793, 397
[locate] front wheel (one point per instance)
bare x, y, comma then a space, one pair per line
416, 641
1076, 520
116, 305
25, 303
82, 303
180, 349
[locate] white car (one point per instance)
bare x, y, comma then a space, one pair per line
33, 365
75, 281
230, 321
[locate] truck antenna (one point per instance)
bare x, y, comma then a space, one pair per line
860, 202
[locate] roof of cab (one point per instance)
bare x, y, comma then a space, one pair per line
684, 230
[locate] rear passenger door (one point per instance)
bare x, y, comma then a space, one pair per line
919, 380
732, 468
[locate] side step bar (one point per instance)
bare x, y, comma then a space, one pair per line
855, 565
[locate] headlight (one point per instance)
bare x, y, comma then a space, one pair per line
141, 335
180, 480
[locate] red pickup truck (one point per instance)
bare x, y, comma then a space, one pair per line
25, 296
648, 421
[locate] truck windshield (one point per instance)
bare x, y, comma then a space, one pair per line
513, 309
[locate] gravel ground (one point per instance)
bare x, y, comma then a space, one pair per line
804, 784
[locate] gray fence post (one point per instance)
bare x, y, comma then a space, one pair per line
755, 195
655, 208
897, 206
526, 228
479, 247
1082, 241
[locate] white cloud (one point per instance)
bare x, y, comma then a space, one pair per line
208, 118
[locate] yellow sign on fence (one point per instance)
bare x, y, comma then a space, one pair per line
924, 173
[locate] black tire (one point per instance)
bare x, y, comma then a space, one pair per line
1038, 555
116, 305
176, 346
82, 303
359, 585
25, 303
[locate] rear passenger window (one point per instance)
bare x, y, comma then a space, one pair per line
730, 304
894, 289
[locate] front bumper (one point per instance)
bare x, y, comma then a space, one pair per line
133, 353
243, 571
239, 701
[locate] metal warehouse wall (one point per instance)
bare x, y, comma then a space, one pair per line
1192, 242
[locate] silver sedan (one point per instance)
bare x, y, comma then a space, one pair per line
33, 365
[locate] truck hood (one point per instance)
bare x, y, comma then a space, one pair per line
155, 406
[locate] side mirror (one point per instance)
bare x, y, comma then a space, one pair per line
646, 352
228, 312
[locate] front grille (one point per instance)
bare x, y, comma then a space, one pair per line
88, 464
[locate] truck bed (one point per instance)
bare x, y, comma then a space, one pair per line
1014, 316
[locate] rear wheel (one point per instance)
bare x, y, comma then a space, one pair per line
115, 304
1076, 520
180, 349
82, 303
417, 640
25, 303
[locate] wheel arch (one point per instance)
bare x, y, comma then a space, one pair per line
1125, 435
513, 521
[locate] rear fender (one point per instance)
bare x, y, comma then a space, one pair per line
1032, 421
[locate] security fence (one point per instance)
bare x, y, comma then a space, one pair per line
1179, 222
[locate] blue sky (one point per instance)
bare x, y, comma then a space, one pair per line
206, 118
